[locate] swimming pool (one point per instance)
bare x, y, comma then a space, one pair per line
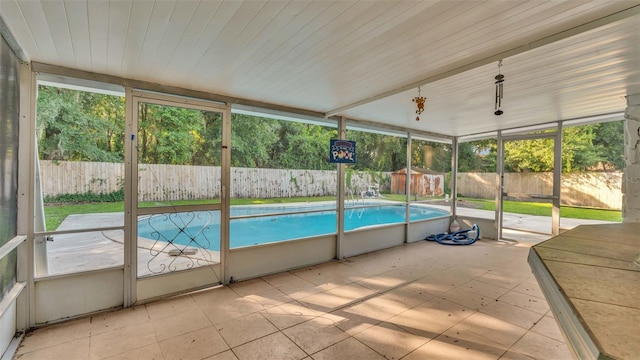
202, 228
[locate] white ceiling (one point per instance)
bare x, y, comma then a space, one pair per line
561, 59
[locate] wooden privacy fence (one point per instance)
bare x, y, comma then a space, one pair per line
592, 189
179, 182
174, 182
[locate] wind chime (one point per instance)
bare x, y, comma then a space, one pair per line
499, 91
419, 100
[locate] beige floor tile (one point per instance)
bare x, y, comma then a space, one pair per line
453, 278
289, 314
193, 345
337, 297
315, 334
431, 318
529, 289
409, 295
227, 355
281, 279
525, 301
433, 286
512, 314
352, 292
482, 288
460, 336
351, 322
274, 346
512, 355
170, 307
541, 347
500, 278
350, 349
230, 310
72, 350
121, 340
382, 282
381, 307
215, 296
55, 334
149, 352
390, 341
548, 327
370, 298
268, 299
446, 347
301, 289
244, 329
102, 323
467, 298
248, 287
496, 330
330, 274
180, 323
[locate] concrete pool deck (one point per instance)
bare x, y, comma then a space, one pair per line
103, 249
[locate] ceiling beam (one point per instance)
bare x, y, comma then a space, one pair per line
485, 59
54, 73
11, 41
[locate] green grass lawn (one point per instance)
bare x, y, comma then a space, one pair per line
544, 209
536, 208
55, 214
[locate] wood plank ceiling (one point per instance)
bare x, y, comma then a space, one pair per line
360, 59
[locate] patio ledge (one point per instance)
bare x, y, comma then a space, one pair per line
591, 279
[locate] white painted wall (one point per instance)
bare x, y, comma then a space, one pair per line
417, 231
68, 296
177, 282
255, 261
7, 326
371, 239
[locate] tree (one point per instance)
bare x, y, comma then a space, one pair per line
478, 156
584, 148
609, 143
303, 146
79, 126
167, 134
379, 152
431, 155
208, 140
252, 140
85, 126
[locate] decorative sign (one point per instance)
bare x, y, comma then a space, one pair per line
342, 152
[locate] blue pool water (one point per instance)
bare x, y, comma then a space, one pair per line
202, 228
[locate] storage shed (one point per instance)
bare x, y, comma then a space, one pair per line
424, 182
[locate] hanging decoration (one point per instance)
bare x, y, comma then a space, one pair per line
419, 100
499, 90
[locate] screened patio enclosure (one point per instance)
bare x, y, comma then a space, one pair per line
350, 69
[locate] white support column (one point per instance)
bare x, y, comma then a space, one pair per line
499, 185
631, 179
407, 190
557, 181
454, 179
26, 175
342, 135
130, 202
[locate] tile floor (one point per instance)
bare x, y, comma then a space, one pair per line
417, 301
